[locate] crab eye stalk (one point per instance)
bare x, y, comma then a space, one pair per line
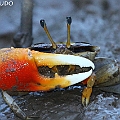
43, 24
69, 21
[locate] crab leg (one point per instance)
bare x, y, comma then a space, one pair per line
88, 90
13, 105
15, 108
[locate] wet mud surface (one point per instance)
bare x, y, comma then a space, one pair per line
96, 22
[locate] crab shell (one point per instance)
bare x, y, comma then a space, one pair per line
82, 49
18, 70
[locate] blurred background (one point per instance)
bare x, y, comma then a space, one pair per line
93, 21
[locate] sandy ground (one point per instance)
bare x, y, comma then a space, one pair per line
94, 21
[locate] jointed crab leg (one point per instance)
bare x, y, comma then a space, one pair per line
88, 90
16, 109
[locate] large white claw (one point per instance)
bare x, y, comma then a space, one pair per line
49, 59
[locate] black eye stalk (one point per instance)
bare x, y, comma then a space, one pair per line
43, 24
69, 21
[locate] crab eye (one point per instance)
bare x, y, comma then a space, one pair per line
42, 22
69, 20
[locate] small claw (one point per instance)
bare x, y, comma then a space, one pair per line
86, 96
88, 90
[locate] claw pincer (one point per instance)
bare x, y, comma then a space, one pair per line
19, 70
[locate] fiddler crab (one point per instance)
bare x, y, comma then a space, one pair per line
43, 67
